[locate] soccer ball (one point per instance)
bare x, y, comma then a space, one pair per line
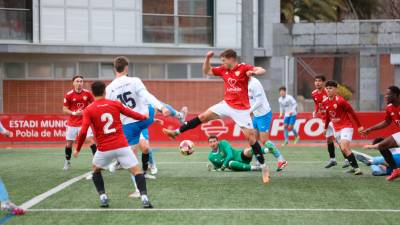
186, 147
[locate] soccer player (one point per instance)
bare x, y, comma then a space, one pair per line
377, 164
392, 115
339, 111
5, 203
318, 95
131, 92
223, 155
235, 104
104, 116
75, 101
288, 105
262, 116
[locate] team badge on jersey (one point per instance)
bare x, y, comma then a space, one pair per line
237, 73
335, 106
85, 97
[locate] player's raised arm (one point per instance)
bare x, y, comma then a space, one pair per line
82, 133
129, 112
256, 70
380, 125
207, 69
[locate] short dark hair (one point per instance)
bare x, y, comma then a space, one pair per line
331, 83
229, 53
283, 88
377, 140
98, 88
320, 77
120, 63
76, 77
395, 90
212, 137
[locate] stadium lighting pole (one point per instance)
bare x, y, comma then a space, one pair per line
247, 32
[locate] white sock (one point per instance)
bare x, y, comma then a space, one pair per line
144, 198
333, 160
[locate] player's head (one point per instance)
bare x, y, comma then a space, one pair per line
319, 81
282, 91
213, 141
377, 140
77, 82
121, 65
392, 94
98, 89
331, 87
228, 58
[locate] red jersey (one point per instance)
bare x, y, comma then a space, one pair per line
318, 98
393, 114
339, 111
75, 101
236, 85
104, 117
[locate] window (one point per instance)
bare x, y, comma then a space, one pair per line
16, 20
14, 70
177, 71
107, 70
196, 71
178, 22
142, 70
89, 69
40, 70
157, 71
64, 69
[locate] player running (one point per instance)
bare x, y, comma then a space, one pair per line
223, 155
262, 116
392, 115
288, 105
377, 164
235, 104
75, 101
318, 95
104, 116
5, 203
131, 92
339, 111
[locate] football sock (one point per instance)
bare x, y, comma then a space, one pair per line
295, 132
274, 150
174, 113
193, 123
258, 152
99, 183
68, 153
141, 184
152, 161
93, 147
145, 162
387, 155
3, 192
331, 150
352, 160
286, 134
239, 166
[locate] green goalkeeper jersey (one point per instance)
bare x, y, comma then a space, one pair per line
225, 154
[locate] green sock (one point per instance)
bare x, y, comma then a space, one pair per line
239, 166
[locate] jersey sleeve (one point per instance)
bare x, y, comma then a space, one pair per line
226, 147
83, 131
91, 97
247, 67
129, 112
388, 117
347, 107
66, 101
217, 71
316, 104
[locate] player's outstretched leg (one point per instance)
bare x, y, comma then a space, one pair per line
331, 150
383, 148
251, 136
345, 147
239, 166
191, 124
181, 115
152, 163
99, 184
282, 163
141, 185
286, 135
68, 154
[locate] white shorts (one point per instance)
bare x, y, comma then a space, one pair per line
123, 155
330, 131
396, 137
72, 132
344, 134
240, 116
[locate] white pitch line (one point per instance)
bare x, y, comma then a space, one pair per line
215, 210
36, 200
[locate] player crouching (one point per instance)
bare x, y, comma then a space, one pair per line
339, 111
103, 116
